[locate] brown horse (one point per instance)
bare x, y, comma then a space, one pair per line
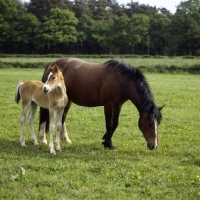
110, 85
51, 95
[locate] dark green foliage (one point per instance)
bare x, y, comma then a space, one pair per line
98, 27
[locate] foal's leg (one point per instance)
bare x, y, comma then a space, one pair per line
58, 129
51, 130
31, 118
22, 121
108, 111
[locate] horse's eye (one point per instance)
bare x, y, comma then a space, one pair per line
54, 77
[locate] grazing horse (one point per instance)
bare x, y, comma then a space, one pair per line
51, 96
110, 85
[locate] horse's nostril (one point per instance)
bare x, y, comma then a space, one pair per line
150, 146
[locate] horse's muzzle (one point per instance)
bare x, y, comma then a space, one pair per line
151, 146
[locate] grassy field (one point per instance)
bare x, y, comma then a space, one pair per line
84, 169
136, 62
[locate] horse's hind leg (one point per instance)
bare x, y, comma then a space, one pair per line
63, 133
108, 111
31, 118
44, 119
22, 121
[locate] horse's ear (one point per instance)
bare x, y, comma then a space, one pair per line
160, 108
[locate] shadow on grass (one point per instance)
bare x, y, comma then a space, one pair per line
79, 151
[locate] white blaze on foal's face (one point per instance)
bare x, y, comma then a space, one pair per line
49, 85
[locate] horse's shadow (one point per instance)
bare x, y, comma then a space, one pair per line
84, 151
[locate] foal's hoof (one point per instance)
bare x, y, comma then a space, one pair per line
58, 149
108, 146
53, 152
36, 143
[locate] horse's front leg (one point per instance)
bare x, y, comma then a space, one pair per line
51, 130
116, 112
108, 112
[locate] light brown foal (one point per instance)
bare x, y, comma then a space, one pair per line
50, 95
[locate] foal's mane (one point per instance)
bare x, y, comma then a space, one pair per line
141, 83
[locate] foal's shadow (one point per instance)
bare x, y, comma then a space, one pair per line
83, 151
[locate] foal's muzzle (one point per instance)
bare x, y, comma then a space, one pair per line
45, 90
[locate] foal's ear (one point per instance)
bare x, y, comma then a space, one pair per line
160, 108
54, 68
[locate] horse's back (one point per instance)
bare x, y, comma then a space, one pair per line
88, 84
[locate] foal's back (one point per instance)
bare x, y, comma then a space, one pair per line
33, 91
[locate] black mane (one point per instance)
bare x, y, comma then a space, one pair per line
136, 75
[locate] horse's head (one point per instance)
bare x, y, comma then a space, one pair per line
55, 79
148, 124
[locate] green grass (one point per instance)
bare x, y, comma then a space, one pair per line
136, 62
84, 170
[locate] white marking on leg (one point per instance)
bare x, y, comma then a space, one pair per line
51, 146
22, 121
31, 117
42, 133
64, 134
58, 148
156, 134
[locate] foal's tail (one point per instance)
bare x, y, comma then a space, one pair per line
17, 93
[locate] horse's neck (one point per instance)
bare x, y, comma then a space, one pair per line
135, 97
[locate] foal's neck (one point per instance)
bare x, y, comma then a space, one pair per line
61, 90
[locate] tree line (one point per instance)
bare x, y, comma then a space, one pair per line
98, 27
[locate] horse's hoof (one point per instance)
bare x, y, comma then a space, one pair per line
108, 146
65, 139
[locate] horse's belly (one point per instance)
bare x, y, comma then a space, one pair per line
84, 98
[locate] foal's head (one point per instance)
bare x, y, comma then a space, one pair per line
55, 79
148, 124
